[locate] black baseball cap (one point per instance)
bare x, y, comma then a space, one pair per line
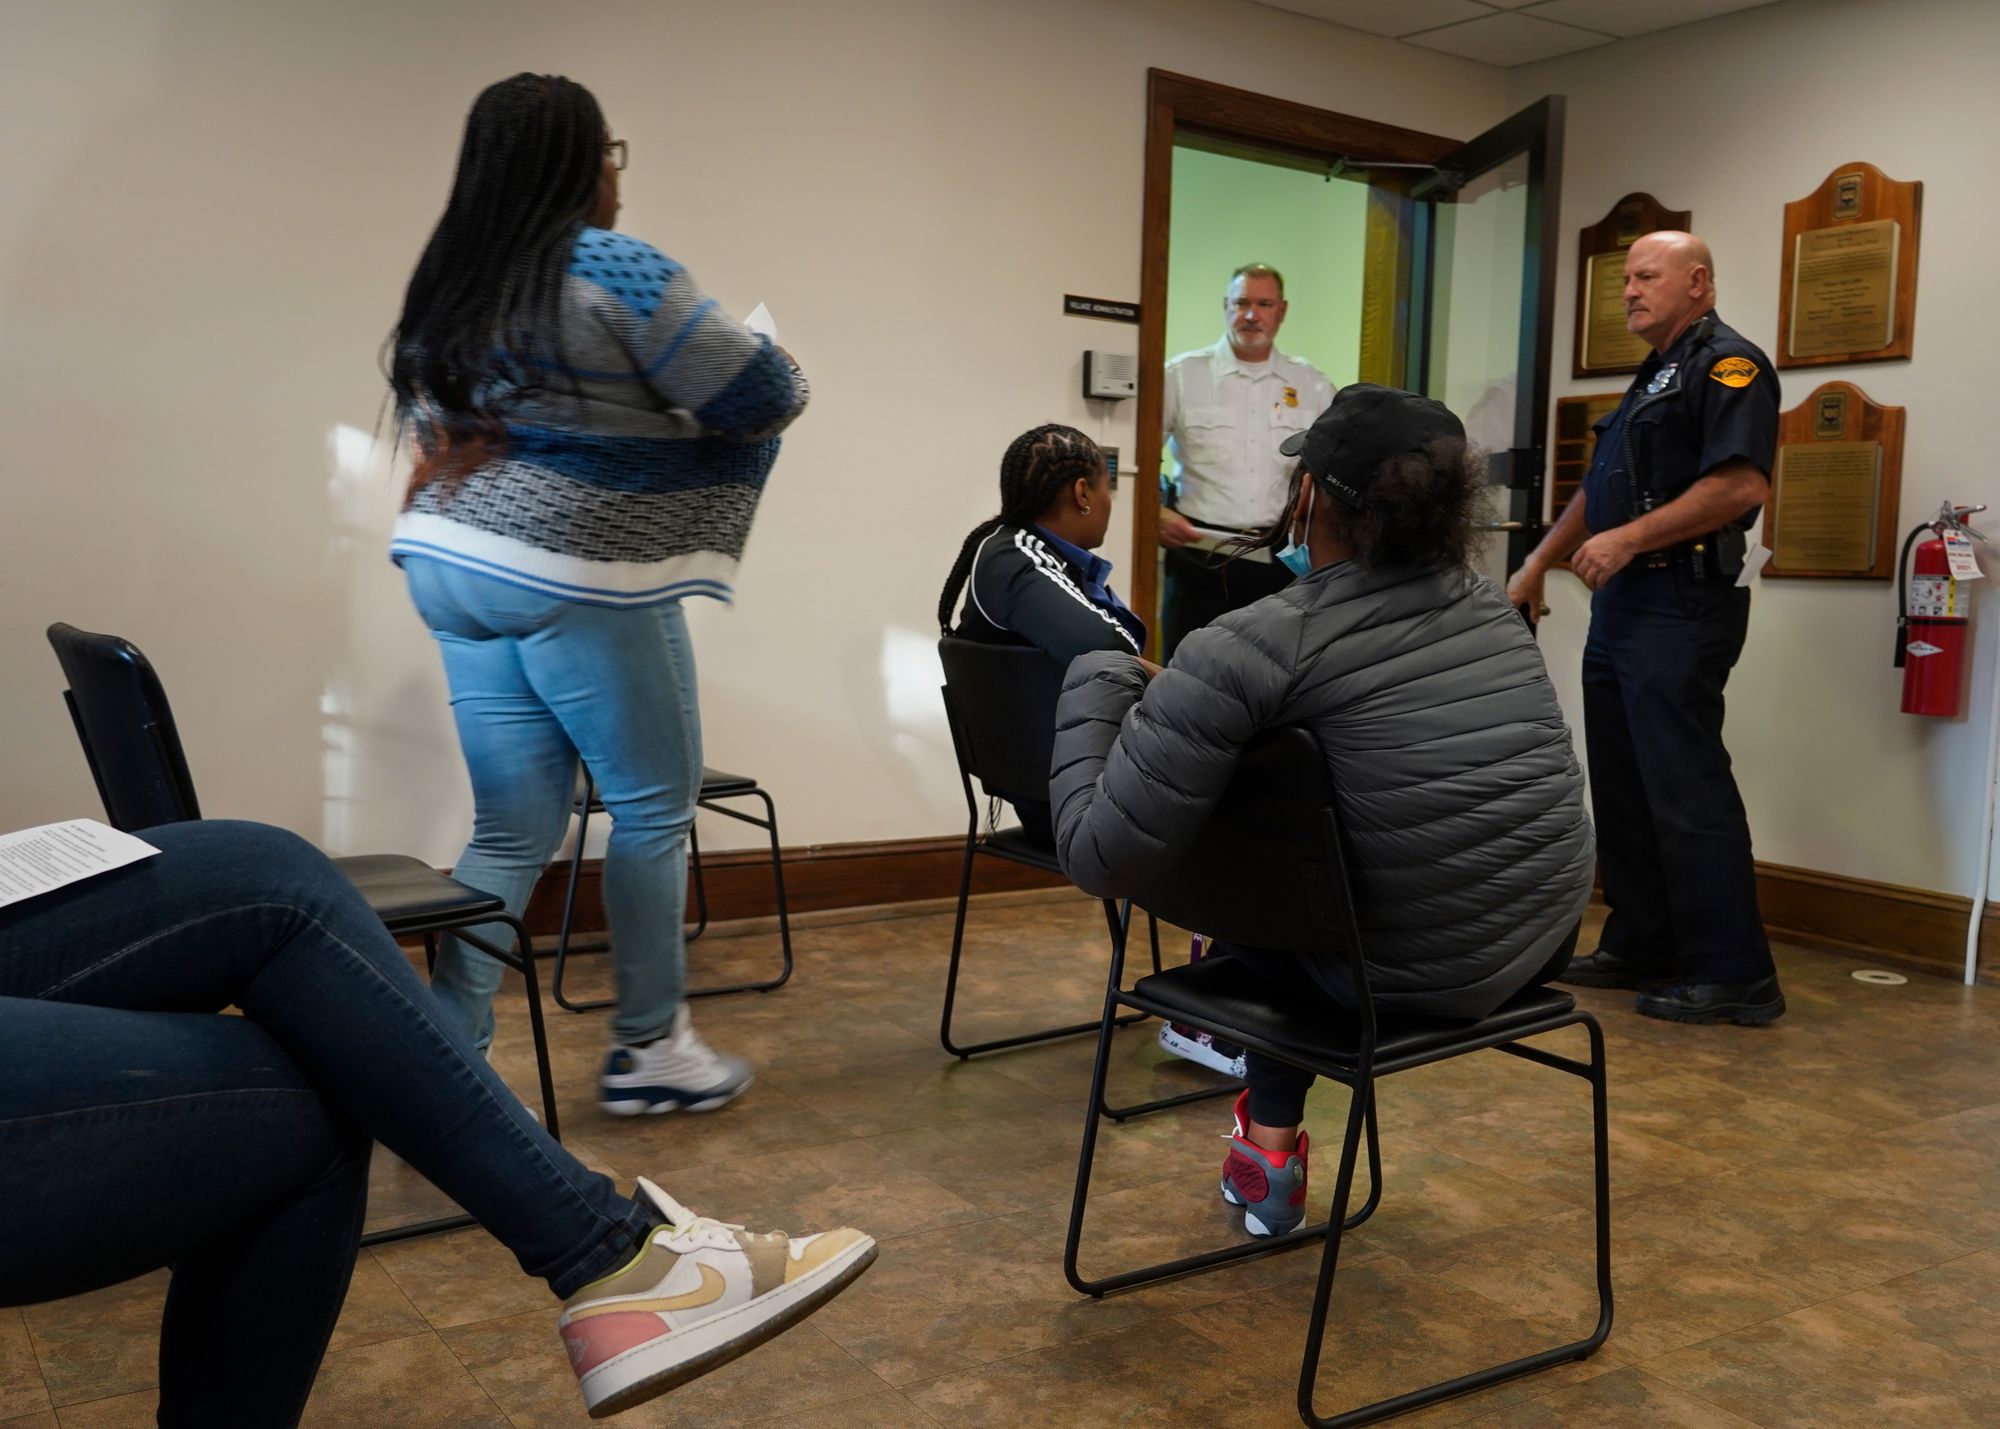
1365, 426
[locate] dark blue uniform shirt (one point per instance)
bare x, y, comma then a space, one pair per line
1709, 401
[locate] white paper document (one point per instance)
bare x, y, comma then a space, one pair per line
1753, 562
54, 856
760, 322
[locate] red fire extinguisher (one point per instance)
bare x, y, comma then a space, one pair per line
1933, 630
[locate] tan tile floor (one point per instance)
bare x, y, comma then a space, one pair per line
1807, 1221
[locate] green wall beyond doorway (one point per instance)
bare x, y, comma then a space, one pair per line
1229, 211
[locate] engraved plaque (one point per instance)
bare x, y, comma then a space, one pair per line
1607, 344
1603, 345
1824, 500
1848, 279
1844, 289
1831, 513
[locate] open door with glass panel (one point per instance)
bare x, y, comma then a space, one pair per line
1481, 309
1452, 294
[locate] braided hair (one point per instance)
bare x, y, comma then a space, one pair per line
482, 314
1038, 465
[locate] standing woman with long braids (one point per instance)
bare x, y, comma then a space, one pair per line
592, 435
1030, 574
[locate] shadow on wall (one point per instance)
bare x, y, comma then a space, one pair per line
194, 287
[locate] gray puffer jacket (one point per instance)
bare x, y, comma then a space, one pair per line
1460, 796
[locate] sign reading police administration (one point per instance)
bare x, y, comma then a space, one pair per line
1110, 309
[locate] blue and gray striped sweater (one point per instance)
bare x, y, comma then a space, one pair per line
640, 486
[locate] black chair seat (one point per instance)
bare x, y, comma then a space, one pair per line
715, 784
1016, 846
1222, 990
409, 895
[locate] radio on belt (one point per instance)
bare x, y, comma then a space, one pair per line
1110, 376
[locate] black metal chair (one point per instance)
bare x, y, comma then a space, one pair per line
1268, 872
130, 741
715, 787
1000, 701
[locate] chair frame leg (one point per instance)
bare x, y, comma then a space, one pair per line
565, 946
1227, 1088
521, 958
769, 823
1112, 917
1362, 1109
1361, 1121
1592, 1072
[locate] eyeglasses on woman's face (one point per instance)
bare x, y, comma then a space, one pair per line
615, 150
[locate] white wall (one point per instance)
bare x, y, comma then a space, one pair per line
1732, 119
208, 209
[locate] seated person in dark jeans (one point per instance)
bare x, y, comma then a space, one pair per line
139, 1128
1459, 794
1029, 573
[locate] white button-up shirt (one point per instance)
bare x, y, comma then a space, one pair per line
1225, 420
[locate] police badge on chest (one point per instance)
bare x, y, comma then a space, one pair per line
1662, 379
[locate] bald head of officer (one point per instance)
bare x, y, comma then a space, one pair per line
1669, 284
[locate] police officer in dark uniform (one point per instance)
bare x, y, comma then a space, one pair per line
1680, 470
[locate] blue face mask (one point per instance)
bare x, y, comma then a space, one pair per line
1297, 558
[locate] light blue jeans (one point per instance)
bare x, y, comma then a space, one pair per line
537, 682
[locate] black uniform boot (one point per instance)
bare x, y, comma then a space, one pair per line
1748, 1004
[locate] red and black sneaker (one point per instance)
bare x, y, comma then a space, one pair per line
1270, 1186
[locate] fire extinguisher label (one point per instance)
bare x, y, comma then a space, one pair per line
1958, 550
1931, 595
1923, 647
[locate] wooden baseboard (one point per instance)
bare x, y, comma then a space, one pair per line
1889, 924
1901, 927
852, 875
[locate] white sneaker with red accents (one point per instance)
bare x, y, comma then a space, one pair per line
699, 1294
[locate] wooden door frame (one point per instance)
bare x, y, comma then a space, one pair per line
1179, 103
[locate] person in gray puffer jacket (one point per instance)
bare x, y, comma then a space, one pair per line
1468, 845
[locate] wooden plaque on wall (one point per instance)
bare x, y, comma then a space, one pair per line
1848, 285
1575, 444
1832, 510
1603, 345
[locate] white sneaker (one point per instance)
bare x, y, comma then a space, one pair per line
698, 1295
1201, 1048
680, 1072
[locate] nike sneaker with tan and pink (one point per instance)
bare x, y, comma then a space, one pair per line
700, 1294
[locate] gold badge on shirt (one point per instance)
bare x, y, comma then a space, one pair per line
1291, 396
1734, 372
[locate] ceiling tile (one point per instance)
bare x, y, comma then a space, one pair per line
1503, 40
1386, 17
1623, 18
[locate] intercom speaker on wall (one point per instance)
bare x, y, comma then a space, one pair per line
1112, 376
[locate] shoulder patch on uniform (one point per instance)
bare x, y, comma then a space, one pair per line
1734, 372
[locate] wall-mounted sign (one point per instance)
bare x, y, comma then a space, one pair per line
1110, 309
1603, 343
1849, 283
1832, 510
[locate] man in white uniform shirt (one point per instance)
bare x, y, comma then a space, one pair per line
1227, 408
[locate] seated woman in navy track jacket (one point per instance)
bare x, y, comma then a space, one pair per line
1031, 575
